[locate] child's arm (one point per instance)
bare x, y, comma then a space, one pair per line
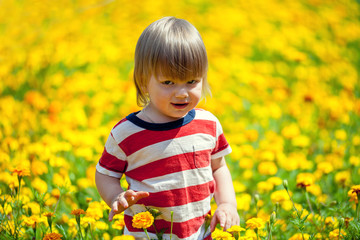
226, 213
115, 197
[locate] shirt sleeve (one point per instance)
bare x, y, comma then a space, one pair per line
222, 146
113, 160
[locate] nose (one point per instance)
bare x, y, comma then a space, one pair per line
181, 92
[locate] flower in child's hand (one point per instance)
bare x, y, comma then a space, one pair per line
142, 220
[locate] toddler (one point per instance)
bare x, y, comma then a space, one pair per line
171, 152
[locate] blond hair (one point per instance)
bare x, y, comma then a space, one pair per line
172, 48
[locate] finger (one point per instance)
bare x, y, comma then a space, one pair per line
111, 215
114, 206
213, 222
222, 219
123, 203
140, 195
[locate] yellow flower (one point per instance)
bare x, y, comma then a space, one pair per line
335, 234
236, 228
290, 131
353, 196
276, 181
255, 223
301, 141
95, 210
32, 220
124, 237
267, 168
298, 236
342, 178
40, 185
118, 224
221, 235
355, 161
142, 220
325, 167
304, 180
243, 201
340, 134
52, 236
38, 167
264, 187
21, 171
356, 189
101, 225
279, 196
333, 222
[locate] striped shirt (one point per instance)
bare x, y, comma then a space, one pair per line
171, 161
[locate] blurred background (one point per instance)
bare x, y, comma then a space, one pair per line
285, 85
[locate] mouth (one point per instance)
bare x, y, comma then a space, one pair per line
180, 105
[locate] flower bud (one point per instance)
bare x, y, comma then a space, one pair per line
286, 184
341, 222
273, 218
257, 198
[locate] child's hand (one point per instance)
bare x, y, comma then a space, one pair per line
226, 214
125, 200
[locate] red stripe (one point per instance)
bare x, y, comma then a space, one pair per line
121, 121
112, 163
221, 144
182, 230
171, 164
178, 197
145, 138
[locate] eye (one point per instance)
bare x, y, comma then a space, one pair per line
193, 81
167, 82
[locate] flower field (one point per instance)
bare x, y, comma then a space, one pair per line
285, 81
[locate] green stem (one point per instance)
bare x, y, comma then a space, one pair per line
357, 209
171, 228
308, 201
146, 233
79, 225
270, 237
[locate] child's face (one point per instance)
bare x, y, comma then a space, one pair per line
172, 99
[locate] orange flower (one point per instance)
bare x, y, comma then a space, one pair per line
353, 196
49, 214
52, 236
142, 220
21, 171
77, 212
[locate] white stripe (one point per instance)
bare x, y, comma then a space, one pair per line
182, 213
205, 115
222, 153
173, 181
168, 148
104, 171
124, 130
112, 148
